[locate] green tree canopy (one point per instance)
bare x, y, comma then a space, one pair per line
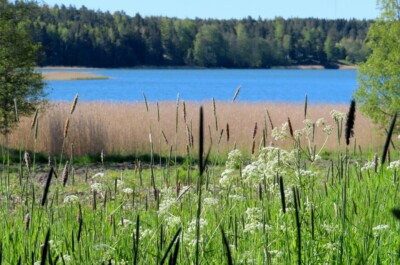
379, 77
21, 87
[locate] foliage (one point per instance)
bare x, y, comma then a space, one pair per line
83, 37
21, 87
379, 77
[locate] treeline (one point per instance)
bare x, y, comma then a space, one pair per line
83, 37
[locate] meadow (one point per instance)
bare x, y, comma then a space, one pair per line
292, 191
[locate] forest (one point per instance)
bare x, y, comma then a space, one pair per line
72, 36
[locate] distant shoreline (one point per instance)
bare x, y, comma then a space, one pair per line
290, 67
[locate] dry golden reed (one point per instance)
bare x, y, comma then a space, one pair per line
118, 127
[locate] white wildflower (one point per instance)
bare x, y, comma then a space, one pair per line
320, 122
128, 191
253, 227
254, 213
234, 159
125, 222
305, 173
98, 175
379, 228
328, 129
210, 201
308, 123
280, 133
331, 246
71, 199
236, 197
367, 166
337, 115
172, 221
166, 205
227, 178
98, 187
394, 165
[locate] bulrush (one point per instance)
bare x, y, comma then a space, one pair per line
64, 176
74, 103
27, 221
227, 132
351, 116
34, 119
66, 128
290, 127
27, 159
236, 94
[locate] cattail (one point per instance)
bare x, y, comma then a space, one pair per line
376, 163
350, 122
27, 221
236, 94
165, 137
220, 136
34, 119
79, 215
66, 128
227, 132
305, 107
255, 131
74, 103
270, 120
27, 159
253, 147
215, 114
184, 111
188, 135
290, 127
145, 102
64, 176
49, 161
111, 219
282, 192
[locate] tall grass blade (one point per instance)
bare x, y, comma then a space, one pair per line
388, 138
47, 186
170, 245
174, 257
45, 248
282, 191
136, 242
227, 249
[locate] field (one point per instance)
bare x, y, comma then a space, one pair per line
282, 196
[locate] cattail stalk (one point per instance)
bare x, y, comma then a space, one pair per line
74, 103
64, 176
388, 138
351, 116
236, 94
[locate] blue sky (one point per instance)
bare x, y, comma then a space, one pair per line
224, 9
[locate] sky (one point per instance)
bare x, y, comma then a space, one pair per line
227, 9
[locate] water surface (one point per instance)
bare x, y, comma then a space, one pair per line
321, 86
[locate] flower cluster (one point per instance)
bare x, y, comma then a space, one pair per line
337, 115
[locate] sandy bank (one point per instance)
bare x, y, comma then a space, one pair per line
71, 76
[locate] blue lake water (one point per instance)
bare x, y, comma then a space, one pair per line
331, 86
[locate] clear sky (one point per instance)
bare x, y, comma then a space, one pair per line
226, 9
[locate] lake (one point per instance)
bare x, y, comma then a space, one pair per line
321, 86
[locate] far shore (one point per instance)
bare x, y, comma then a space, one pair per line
295, 67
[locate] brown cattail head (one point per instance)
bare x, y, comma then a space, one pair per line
74, 103
64, 176
79, 215
27, 221
165, 137
111, 219
227, 132
34, 119
290, 127
376, 163
253, 147
351, 116
236, 94
27, 159
66, 128
270, 120
184, 111
255, 131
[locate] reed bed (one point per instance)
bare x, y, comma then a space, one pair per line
123, 128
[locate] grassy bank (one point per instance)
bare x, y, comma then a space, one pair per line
124, 128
